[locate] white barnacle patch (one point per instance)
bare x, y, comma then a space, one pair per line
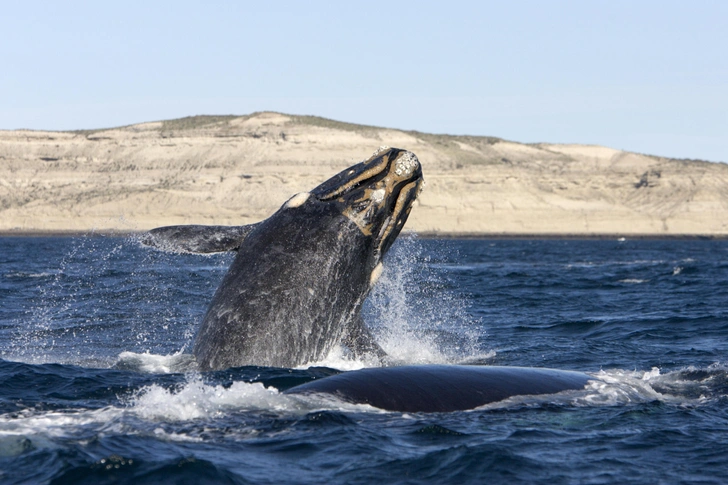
376, 273
406, 164
380, 150
310, 290
297, 200
378, 195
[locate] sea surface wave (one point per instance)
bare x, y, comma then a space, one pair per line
97, 384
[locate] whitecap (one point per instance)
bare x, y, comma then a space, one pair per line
37, 425
196, 400
22, 274
156, 364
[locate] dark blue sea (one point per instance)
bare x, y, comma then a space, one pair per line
97, 385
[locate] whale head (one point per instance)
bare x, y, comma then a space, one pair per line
376, 194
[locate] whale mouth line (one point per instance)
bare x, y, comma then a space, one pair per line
404, 198
370, 176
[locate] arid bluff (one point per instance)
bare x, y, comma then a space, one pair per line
239, 169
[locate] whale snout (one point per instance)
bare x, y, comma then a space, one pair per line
386, 169
407, 165
376, 194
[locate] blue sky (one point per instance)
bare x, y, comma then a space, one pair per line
646, 76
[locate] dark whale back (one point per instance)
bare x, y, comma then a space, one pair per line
289, 293
296, 287
441, 388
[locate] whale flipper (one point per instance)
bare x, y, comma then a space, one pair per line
197, 238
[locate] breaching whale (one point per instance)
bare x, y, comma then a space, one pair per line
296, 287
441, 388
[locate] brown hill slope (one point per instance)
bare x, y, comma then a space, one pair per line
239, 169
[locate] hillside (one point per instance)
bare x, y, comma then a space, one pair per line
240, 169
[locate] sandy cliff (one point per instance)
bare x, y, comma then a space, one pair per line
235, 170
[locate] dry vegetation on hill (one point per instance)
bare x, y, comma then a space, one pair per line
239, 169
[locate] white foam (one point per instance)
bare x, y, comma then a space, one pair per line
54, 424
339, 358
197, 400
405, 344
620, 387
193, 400
22, 274
157, 364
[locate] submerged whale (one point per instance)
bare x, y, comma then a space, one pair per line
296, 287
441, 388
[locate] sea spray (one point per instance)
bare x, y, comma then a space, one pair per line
62, 305
415, 315
153, 302
171, 298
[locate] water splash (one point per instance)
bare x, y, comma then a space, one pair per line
109, 302
196, 399
685, 387
413, 315
156, 364
60, 311
340, 358
105, 296
619, 388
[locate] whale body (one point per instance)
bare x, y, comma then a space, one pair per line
441, 388
297, 285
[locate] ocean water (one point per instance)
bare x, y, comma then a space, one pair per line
97, 386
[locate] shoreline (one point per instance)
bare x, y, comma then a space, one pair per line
420, 235
237, 170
